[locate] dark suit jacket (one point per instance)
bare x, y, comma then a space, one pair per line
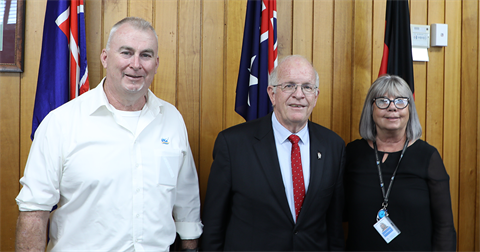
246, 208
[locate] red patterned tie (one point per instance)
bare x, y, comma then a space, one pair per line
297, 174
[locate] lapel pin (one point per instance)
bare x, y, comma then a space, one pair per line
319, 155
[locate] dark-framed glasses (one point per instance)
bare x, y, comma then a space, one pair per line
290, 88
384, 102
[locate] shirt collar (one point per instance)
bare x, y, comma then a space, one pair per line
100, 101
282, 133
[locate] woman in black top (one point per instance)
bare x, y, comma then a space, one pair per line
415, 196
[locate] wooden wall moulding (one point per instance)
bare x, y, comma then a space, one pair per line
12, 33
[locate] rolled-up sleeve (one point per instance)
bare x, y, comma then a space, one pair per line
186, 210
41, 180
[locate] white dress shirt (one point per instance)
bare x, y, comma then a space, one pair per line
284, 152
116, 190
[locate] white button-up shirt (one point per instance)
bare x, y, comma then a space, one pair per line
116, 190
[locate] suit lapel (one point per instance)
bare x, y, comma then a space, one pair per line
266, 152
317, 163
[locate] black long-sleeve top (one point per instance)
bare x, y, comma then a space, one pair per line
419, 202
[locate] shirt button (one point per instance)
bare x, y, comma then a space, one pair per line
138, 215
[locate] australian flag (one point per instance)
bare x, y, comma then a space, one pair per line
63, 72
259, 57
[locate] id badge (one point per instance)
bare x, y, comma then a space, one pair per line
387, 230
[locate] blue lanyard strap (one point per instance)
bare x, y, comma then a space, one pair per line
385, 195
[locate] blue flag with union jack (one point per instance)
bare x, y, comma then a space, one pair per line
259, 57
63, 71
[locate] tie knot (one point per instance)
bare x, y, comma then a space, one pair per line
294, 139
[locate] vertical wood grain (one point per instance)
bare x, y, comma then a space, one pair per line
323, 60
302, 32
468, 126
235, 22
476, 194
141, 8
342, 68
212, 88
189, 53
476, 236
285, 27
165, 22
9, 157
378, 35
476, 210
420, 79
418, 15
435, 81
451, 132
93, 24
33, 47
362, 62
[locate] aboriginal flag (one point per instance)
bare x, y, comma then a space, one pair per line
397, 50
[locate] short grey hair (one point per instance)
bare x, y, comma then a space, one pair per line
136, 22
273, 76
390, 85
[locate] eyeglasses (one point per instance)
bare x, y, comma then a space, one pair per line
384, 102
290, 88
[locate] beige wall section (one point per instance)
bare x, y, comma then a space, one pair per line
199, 47
469, 114
9, 153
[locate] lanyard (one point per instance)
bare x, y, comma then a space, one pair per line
385, 195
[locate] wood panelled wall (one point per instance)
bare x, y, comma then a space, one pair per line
200, 44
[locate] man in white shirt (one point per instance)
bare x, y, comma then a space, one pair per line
116, 161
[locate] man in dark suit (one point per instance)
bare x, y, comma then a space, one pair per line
268, 192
